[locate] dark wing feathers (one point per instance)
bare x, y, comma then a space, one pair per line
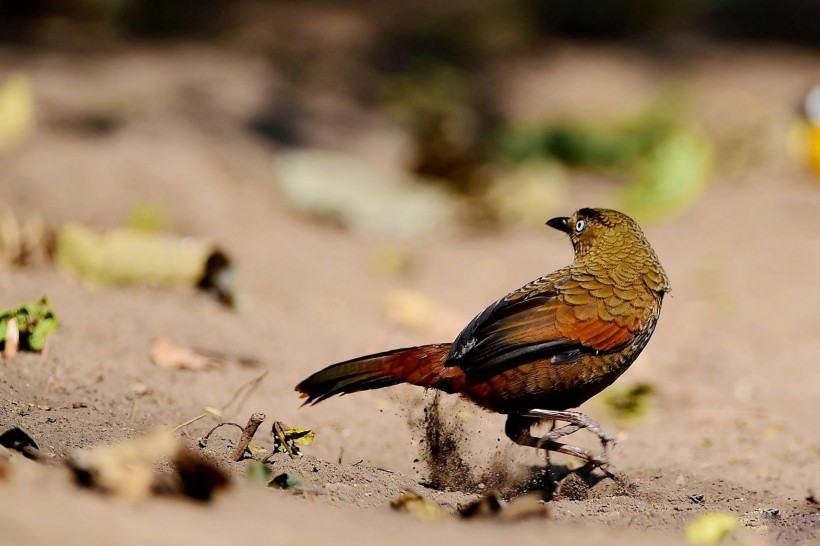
552, 321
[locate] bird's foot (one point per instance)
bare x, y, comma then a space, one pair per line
518, 430
576, 422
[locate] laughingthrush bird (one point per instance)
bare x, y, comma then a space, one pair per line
540, 350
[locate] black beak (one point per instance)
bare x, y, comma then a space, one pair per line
561, 224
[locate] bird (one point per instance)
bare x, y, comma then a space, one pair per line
542, 350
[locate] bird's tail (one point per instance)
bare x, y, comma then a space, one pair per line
422, 366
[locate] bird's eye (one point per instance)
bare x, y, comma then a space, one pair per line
580, 225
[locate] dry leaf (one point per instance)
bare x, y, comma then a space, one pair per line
422, 508
126, 469
525, 506
165, 353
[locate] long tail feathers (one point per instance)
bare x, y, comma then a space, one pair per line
422, 365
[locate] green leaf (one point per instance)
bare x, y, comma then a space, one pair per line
258, 473
34, 321
41, 329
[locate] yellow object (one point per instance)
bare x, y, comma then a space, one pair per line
804, 143
16, 110
711, 528
422, 508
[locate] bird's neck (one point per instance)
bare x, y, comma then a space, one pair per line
627, 265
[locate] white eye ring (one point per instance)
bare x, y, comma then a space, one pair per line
580, 225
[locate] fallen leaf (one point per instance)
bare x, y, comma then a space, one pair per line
529, 505
287, 439
125, 469
299, 436
256, 450
258, 473
711, 528
487, 506
424, 509
167, 354
129, 469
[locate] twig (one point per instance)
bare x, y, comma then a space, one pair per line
247, 435
204, 440
194, 420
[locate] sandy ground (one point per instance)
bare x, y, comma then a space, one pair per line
736, 415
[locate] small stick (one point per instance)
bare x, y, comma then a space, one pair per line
279, 432
247, 435
204, 440
194, 420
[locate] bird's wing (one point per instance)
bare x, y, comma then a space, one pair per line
558, 318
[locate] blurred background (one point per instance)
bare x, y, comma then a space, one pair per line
400, 120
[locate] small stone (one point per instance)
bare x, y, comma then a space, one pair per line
696, 498
771, 513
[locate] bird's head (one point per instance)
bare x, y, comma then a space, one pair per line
610, 238
599, 230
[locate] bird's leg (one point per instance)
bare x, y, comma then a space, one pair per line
518, 430
576, 421
550, 474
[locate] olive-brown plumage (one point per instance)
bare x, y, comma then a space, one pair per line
543, 349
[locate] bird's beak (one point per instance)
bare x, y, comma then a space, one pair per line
561, 224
